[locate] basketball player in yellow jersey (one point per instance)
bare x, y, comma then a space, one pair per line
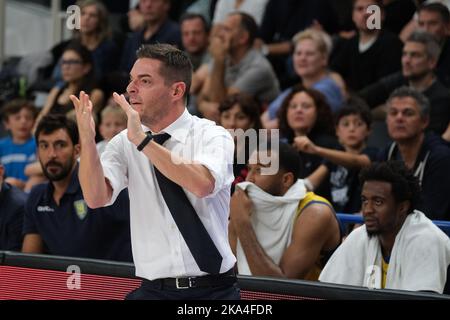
277, 228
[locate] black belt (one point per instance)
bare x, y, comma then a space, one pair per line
227, 278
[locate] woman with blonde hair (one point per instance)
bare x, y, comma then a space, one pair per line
310, 58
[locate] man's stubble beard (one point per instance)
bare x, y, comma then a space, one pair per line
417, 76
155, 118
65, 171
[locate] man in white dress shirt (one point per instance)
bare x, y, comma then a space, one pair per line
196, 160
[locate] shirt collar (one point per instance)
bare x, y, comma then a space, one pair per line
178, 129
74, 184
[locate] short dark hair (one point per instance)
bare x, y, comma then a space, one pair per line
420, 98
248, 104
52, 122
89, 80
15, 106
405, 186
192, 16
437, 7
429, 41
176, 65
355, 106
82, 51
248, 24
289, 158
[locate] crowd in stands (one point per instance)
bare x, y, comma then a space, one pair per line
313, 69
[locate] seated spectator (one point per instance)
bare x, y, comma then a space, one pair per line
158, 29
95, 34
398, 247
113, 120
135, 19
425, 154
236, 67
420, 55
282, 20
12, 202
341, 167
239, 113
312, 49
305, 112
57, 220
195, 39
19, 148
194, 36
276, 227
77, 73
369, 55
434, 18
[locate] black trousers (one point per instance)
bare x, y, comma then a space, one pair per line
151, 291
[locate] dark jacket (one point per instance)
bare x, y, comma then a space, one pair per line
12, 208
432, 167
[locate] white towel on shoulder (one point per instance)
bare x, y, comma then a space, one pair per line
272, 220
418, 262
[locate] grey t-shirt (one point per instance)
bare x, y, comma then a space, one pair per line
253, 75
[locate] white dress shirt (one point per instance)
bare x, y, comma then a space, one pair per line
159, 250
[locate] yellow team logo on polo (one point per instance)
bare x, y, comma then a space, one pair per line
80, 208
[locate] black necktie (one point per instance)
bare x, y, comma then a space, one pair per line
199, 242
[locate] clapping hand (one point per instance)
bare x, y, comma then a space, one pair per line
85, 120
135, 132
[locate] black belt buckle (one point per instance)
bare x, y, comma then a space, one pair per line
190, 283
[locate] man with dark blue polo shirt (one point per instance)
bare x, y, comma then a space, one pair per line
12, 201
57, 220
158, 29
